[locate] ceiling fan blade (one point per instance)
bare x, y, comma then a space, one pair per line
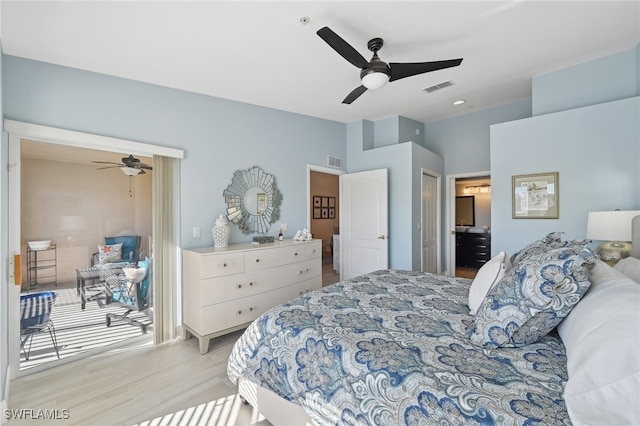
107, 162
144, 166
109, 167
402, 70
342, 47
355, 94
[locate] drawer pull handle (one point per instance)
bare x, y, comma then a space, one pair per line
224, 265
257, 260
239, 286
250, 309
250, 284
295, 254
239, 312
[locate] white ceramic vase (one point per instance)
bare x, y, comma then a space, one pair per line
221, 232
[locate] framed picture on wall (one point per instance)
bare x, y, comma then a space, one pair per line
332, 202
316, 201
317, 213
325, 201
332, 213
535, 196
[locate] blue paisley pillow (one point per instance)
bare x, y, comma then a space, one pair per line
534, 296
550, 241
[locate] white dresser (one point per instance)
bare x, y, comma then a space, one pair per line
224, 289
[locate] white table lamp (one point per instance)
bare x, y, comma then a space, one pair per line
614, 228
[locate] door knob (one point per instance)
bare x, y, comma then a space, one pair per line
382, 237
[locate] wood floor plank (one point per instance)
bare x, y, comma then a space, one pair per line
141, 385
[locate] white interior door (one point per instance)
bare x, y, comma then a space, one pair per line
430, 224
364, 237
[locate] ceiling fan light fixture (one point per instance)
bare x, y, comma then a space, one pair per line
375, 80
130, 171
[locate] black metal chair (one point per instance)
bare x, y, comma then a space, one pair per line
35, 317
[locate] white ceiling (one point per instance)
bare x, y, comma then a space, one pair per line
260, 52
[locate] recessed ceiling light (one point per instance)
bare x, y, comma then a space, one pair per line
459, 102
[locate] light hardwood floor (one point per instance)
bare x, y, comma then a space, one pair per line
169, 384
138, 384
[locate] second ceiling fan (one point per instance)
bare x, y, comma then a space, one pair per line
376, 73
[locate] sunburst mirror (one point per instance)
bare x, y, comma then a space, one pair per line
253, 200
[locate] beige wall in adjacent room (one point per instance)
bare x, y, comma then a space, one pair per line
76, 206
325, 185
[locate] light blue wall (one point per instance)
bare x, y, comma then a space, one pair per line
407, 130
595, 150
602, 80
397, 129
218, 136
404, 253
463, 141
385, 132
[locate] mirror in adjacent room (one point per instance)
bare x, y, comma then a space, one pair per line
253, 200
465, 210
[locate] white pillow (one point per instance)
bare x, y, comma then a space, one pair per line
630, 266
602, 337
490, 273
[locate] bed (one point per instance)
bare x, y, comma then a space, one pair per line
401, 347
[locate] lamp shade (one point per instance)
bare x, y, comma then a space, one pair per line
130, 171
610, 225
375, 80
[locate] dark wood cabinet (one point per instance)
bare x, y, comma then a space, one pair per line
472, 249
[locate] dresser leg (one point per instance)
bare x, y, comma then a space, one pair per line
204, 344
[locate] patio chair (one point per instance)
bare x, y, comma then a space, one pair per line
35, 317
133, 294
130, 248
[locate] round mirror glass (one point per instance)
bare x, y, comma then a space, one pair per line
253, 200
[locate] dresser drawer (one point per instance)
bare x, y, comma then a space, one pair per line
261, 259
229, 314
300, 271
221, 264
292, 291
313, 250
223, 289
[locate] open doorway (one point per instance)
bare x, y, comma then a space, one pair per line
472, 213
324, 220
73, 203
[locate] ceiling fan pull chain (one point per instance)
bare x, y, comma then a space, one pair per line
130, 194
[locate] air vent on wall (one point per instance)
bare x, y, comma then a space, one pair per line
438, 86
334, 161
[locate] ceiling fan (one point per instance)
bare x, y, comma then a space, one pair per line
376, 73
130, 166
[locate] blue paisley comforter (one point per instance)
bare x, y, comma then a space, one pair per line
391, 347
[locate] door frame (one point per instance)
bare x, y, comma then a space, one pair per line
438, 232
17, 131
450, 211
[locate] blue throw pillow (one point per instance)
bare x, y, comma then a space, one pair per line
534, 296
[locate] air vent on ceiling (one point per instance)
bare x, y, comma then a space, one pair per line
334, 161
438, 86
